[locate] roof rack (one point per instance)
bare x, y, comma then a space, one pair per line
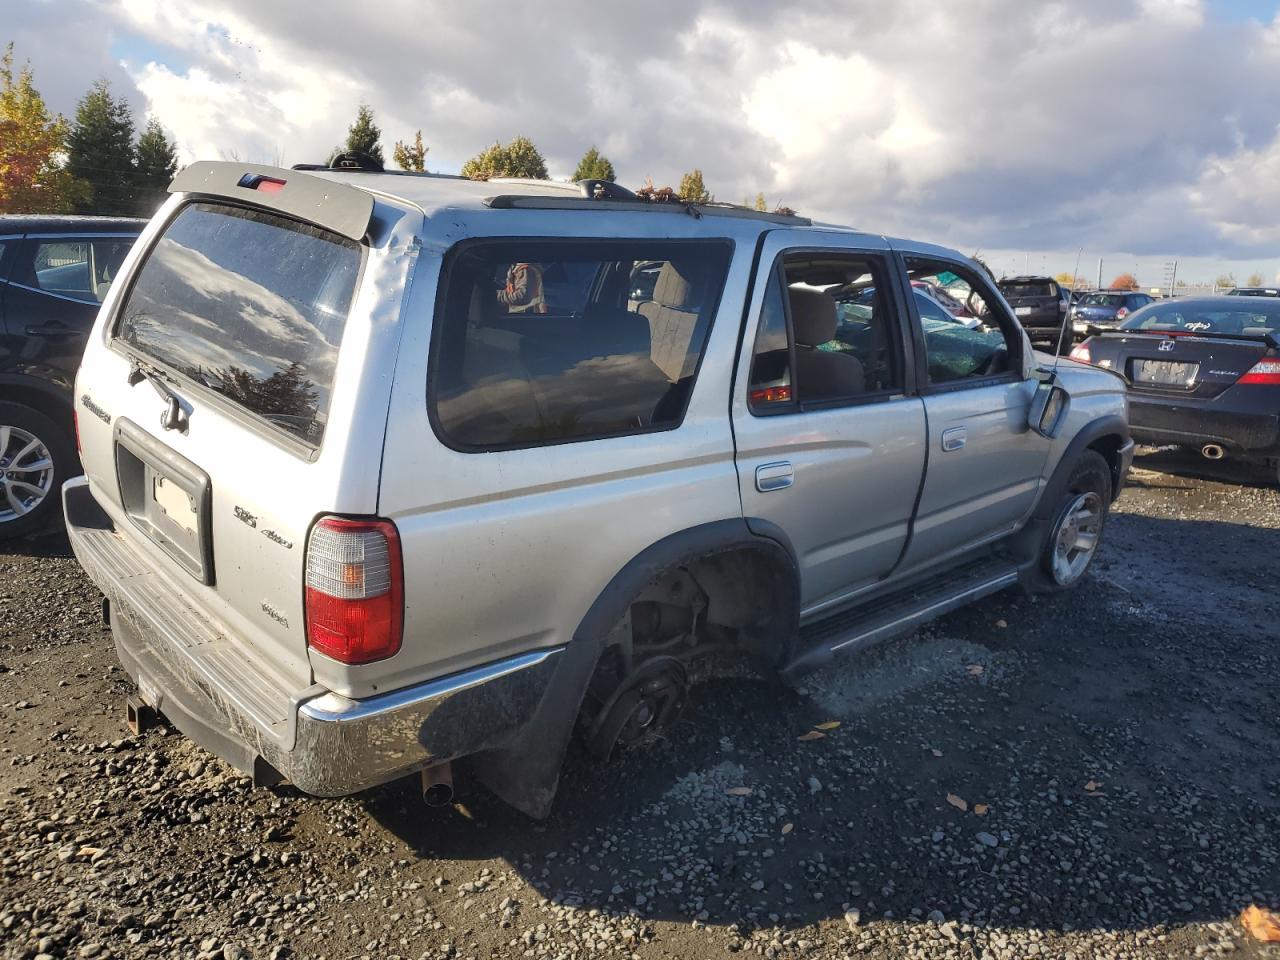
607, 195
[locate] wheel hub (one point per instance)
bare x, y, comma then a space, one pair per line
643, 704
1075, 541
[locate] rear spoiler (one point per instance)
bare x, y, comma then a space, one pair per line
344, 209
1268, 338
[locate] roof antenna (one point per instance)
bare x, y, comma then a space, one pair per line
1063, 332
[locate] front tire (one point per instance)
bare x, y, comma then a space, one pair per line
1073, 534
36, 455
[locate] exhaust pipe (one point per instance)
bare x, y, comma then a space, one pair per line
437, 785
1212, 451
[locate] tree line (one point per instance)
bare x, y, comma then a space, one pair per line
98, 162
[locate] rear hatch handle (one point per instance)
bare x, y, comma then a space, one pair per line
173, 417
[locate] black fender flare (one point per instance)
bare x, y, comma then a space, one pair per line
525, 771
1026, 541
56, 393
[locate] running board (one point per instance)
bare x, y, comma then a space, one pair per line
897, 613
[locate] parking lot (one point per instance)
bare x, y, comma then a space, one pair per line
1090, 775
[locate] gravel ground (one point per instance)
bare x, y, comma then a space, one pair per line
1092, 775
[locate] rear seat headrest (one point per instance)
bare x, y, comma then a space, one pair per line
672, 289
813, 316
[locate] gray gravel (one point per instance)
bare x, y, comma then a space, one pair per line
1090, 775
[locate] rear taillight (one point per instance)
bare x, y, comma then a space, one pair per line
1266, 370
1081, 353
1122, 313
355, 590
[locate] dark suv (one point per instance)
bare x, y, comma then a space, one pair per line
54, 274
1040, 305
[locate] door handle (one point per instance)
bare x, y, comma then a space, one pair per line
50, 330
774, 476
954, 438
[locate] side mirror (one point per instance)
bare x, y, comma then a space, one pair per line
1049, 408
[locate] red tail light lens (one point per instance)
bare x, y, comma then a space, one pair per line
1266, 370
1081, 353
1122, 313
355, 590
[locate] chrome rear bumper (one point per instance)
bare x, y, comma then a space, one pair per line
324, 743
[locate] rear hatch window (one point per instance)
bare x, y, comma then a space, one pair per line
250, 305
1018, 291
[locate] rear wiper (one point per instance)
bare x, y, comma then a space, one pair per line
173, 417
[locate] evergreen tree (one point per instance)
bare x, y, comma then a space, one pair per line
100, 151
760, 203
157, 163
363, 136
31, 178
594, 166
411, 157
692, 189
519, 158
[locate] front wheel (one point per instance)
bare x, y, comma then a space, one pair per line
35, 457
1076, 521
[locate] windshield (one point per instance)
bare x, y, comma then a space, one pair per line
1042, 288
249, 304
1104, 300
1256, 318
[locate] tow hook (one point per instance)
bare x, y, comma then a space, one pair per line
138, 716
437, 785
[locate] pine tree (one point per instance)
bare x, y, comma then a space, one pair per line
411, 157
692, 189
31, 178
157, 163
594, 166
363, 136
100, 151
519, 158
760, 203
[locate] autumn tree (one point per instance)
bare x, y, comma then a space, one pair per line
1126, 281
101, 152
363, 136
1255, 280
1227, 280
594, 166
157, 162
32, 179
519, 158
693, 189
760, 203
412, 157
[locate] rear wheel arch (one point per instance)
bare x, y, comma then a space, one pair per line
41, 396
718, 556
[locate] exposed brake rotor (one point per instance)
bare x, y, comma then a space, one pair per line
644, 703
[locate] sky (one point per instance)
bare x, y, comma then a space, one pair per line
1135, 131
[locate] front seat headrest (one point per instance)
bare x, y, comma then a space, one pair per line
813, 316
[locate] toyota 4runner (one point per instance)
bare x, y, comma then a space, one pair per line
384, 471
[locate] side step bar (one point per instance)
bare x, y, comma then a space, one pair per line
897, 613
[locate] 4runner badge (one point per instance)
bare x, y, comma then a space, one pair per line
93, 408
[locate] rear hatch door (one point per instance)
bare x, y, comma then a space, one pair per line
1034, 303
1198, 367
221, 364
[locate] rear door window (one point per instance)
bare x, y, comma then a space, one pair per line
249, 304
544, 341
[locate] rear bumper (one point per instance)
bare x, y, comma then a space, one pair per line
1242, 432
328, 744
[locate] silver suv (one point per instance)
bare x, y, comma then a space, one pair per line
384, 471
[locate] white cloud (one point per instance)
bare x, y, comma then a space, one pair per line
1140, 125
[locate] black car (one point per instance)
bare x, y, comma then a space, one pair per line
1203, 372
1105, 310
1254, 292
1040, 305
54, 273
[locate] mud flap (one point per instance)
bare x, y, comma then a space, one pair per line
526, 771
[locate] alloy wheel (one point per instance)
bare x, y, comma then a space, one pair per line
26, 472
1075, 537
